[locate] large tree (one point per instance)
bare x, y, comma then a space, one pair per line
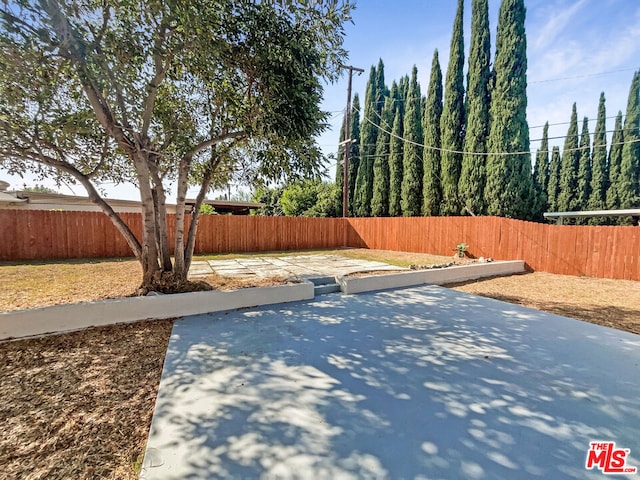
411, 200
553, 187
615, 160
340, 161
164, 93
628, 188
473, 173
541, 173
431, 189
368, 135
354, 153
396, 155
509, 188
452, 120
310, 198
568, 188
597, 198
584, 168
380, 199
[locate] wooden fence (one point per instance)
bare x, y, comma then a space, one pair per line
41, 234
606, 252
602, 251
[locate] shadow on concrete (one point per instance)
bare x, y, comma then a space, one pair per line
415, 383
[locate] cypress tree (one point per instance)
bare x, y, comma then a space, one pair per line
553, 187
452, 121
597, 199
411, 200
382, 91
354, 155
541, 173
473, 174
568, 191
368, 135
432, 195
340, 163
381, 180
584, 169
615, 161
630, 166
396, 155
403, 88
509, 189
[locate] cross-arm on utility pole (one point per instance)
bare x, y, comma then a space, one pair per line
347, 142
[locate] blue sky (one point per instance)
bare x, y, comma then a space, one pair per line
570, 43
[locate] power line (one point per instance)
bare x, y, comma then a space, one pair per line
479, 154
590, 120
575, 77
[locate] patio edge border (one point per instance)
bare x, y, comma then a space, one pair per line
77, 316
439, 276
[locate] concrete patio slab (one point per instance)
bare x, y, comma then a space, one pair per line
411, 383
293, 265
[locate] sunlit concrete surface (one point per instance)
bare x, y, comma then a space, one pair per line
420, 383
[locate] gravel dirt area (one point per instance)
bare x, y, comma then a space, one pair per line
79, 405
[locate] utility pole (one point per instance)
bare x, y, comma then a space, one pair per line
347, 142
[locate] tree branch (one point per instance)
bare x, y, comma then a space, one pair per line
195, 215
103, 156
69, 42
239, 135
160, 74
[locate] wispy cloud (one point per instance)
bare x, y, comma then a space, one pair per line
559, 18
585, 55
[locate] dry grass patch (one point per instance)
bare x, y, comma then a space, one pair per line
31, 285
399, 259
613, 303
233, 283
79, 405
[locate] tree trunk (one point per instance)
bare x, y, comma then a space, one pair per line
180, 266
195, 216
151, 272
162, 234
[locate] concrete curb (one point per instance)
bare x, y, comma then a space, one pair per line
439, 276
77, 316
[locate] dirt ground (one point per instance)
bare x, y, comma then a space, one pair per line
79, 405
